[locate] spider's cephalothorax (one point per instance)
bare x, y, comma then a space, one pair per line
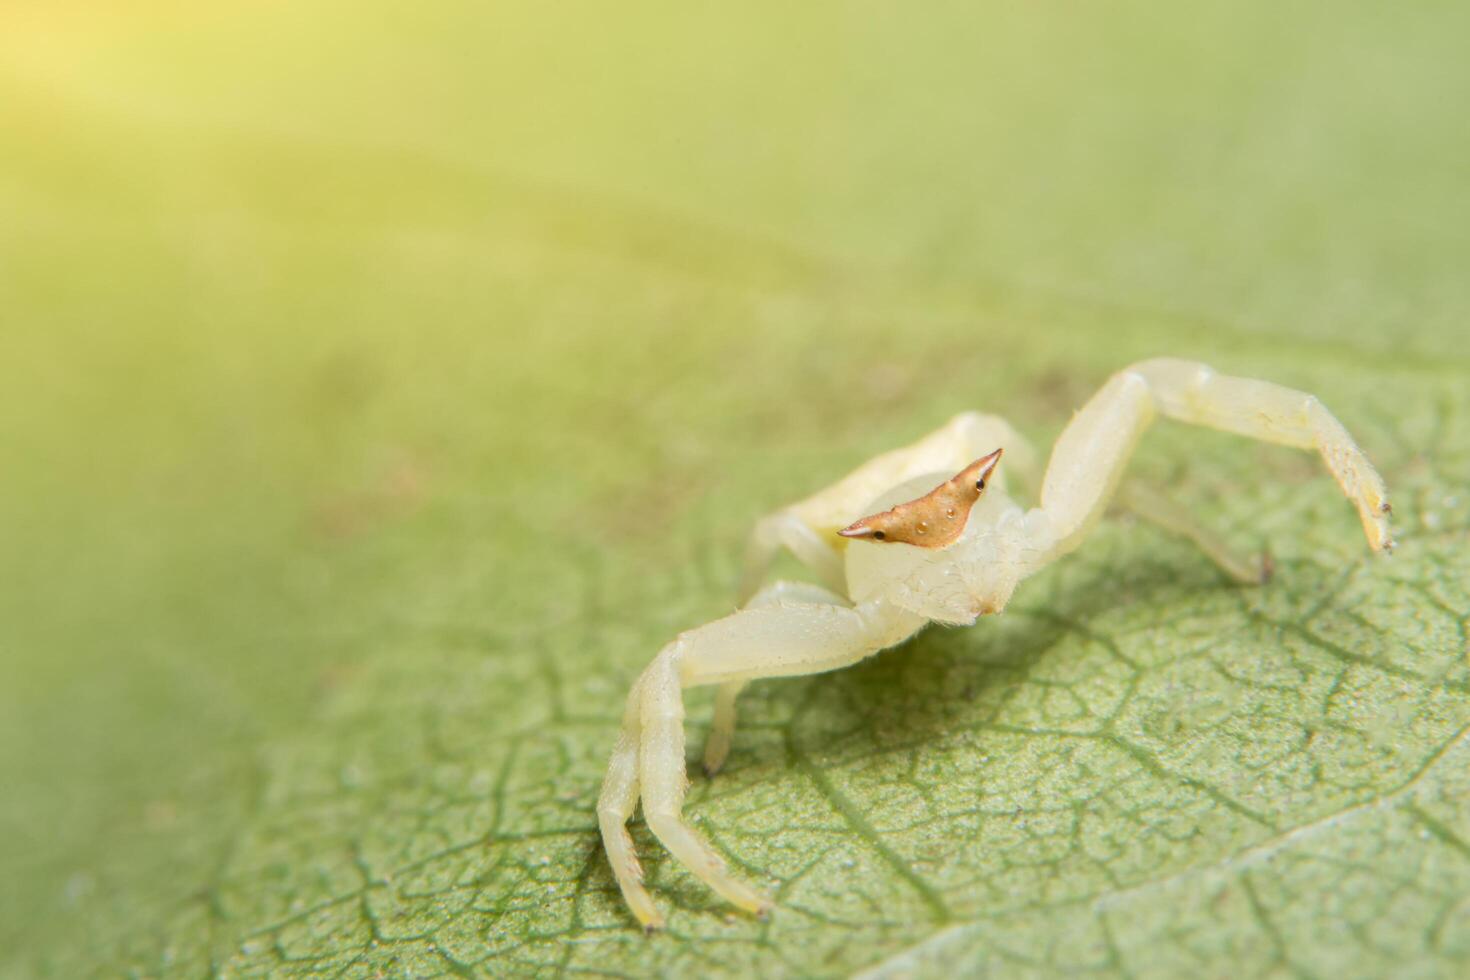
933, 520
949, 555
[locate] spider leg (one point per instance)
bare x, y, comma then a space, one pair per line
663, 779
1091, 452
780, 639
1150, 505
786, 529
722, 729
615, 805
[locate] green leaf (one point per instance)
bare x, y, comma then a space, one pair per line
383, 388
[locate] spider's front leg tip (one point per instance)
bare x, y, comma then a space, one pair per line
747, 899
1375, 522
650, 919
1383, 541
1385, 509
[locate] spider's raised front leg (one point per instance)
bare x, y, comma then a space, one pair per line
777, 637
1090, 454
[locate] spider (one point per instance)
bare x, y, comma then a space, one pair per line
924, 553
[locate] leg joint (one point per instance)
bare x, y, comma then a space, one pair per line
663, 822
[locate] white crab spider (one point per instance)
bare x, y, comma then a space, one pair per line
970, 547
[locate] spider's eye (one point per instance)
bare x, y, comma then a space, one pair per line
879, 535
979, 484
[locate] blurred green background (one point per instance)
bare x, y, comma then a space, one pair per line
336, 336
